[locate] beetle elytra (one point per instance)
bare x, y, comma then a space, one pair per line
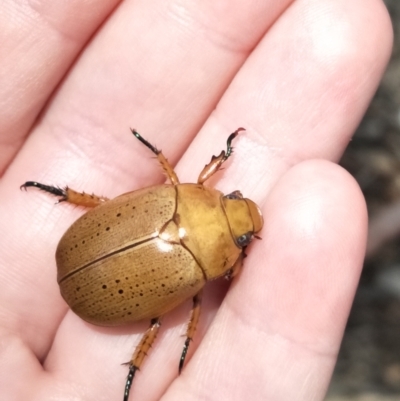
143, 253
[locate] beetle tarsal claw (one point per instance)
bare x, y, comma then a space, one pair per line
129, 379
184, 352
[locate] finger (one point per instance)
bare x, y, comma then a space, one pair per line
122, 79
303, 90
39, 41
278, 331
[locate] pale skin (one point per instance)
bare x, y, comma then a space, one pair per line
297, 75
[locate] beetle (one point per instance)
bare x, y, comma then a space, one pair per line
141, 254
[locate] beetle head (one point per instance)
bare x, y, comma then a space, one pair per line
244, 217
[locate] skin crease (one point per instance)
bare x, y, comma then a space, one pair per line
297, 75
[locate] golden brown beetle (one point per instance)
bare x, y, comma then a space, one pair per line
143, 253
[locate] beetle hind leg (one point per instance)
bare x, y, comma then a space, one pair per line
67, 194
169, 170
140, 353
192, 326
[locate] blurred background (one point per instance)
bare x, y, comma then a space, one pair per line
368, 367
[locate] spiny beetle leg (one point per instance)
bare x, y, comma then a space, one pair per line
192, 326
169, 170
67, 194
217, 161
140, 353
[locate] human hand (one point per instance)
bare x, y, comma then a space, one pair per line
297, 75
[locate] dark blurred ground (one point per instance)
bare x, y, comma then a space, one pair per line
368, 368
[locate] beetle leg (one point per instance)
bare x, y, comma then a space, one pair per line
192, 326
169, 170
68, 195
140, 353
234, 270
217, 161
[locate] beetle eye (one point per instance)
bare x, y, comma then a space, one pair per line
244, 239
234, 195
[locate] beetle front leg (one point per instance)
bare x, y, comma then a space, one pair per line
140, 352
192, 326
169, 170
217, 161
234, 270
68, 195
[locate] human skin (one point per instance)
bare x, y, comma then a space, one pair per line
298, 75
